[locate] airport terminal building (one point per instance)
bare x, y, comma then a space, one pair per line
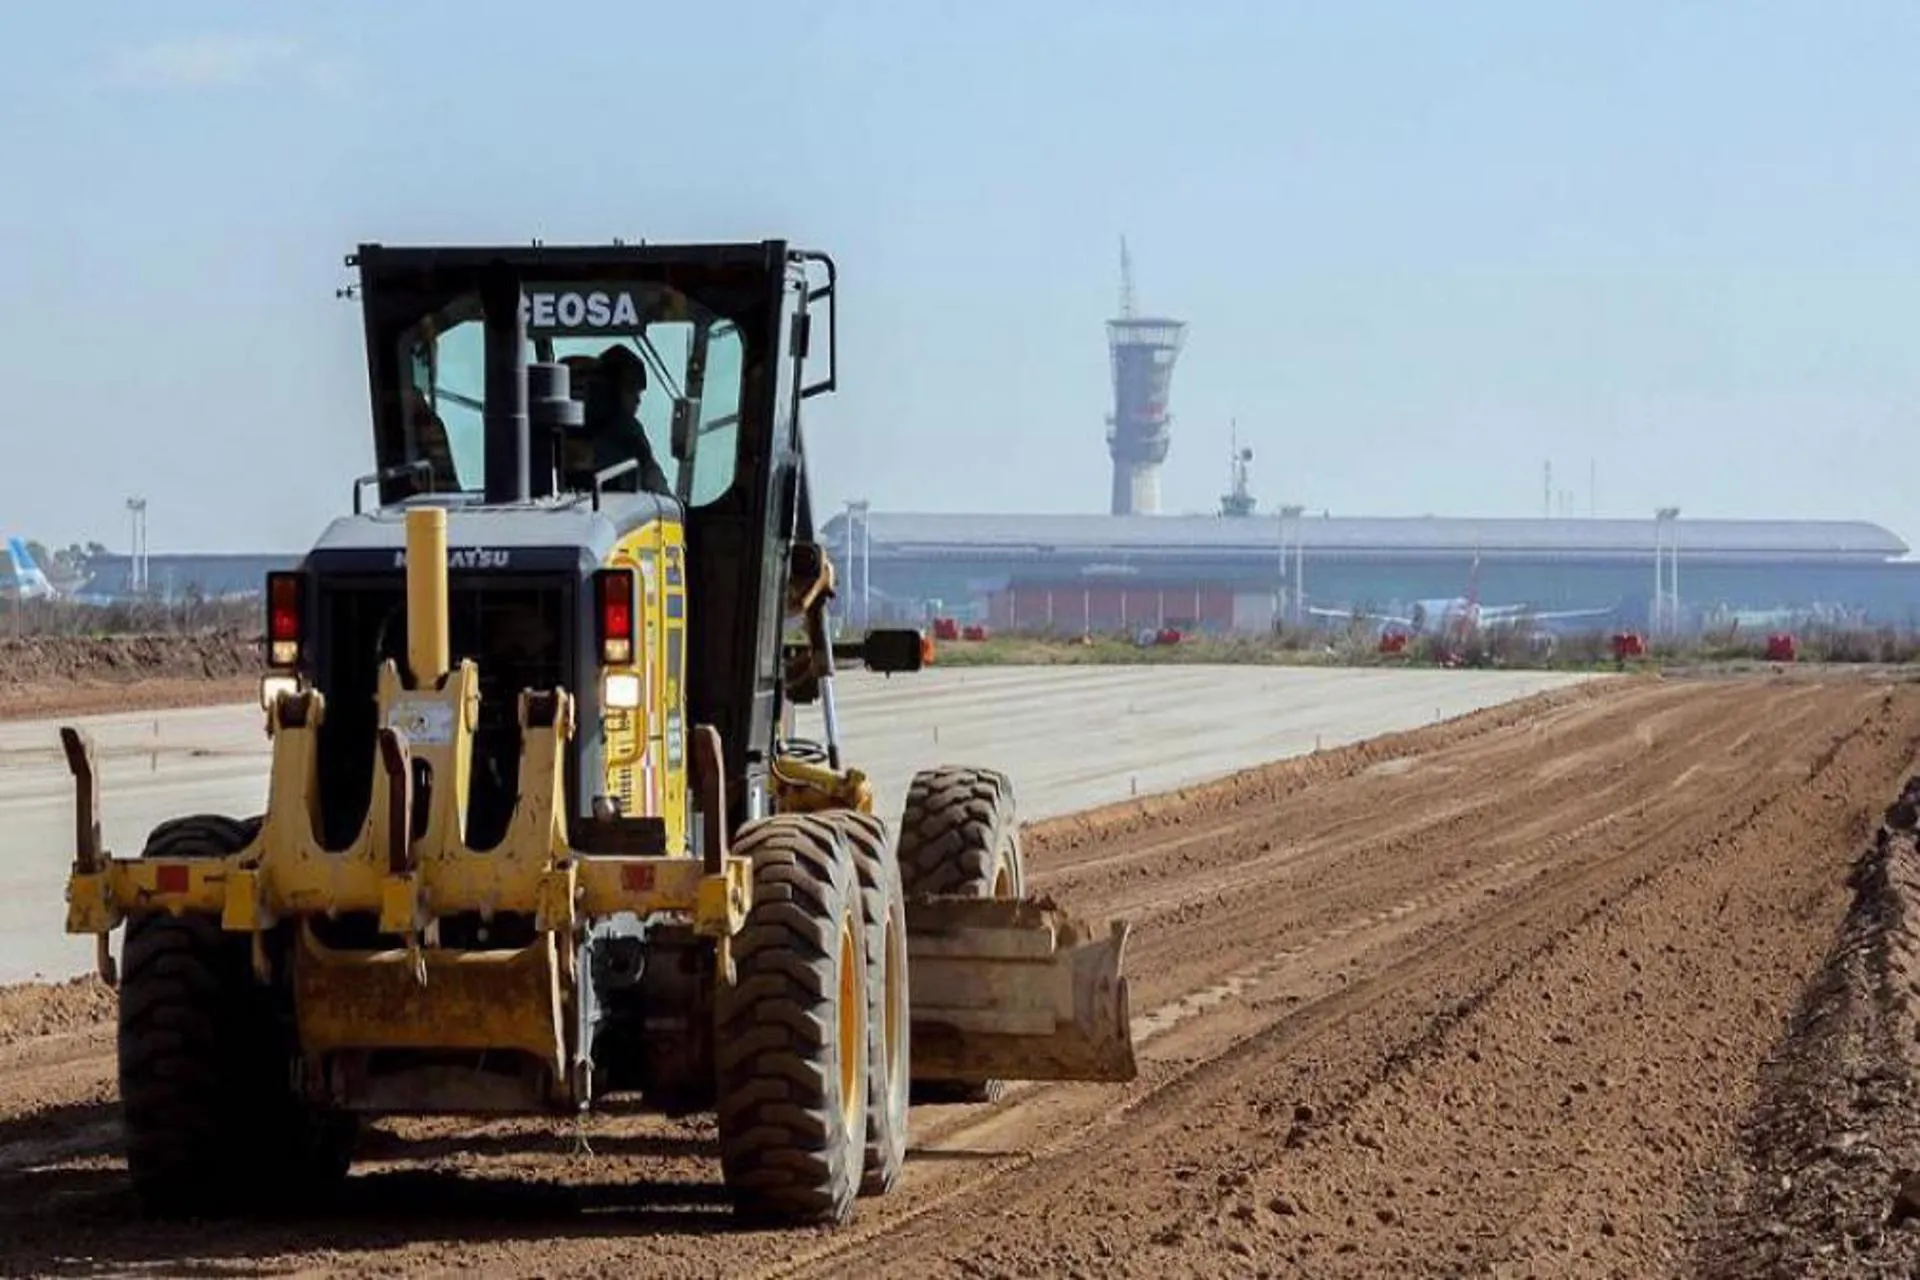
1242, 570
1067, 574
1072, 573
181, 576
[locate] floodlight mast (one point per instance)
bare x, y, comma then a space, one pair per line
1666, 571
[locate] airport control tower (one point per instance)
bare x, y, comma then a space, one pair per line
1143, 353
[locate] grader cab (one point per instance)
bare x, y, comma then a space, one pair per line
539, 833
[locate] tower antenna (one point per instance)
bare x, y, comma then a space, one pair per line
1239, 499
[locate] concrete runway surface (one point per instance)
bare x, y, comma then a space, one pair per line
1072, 738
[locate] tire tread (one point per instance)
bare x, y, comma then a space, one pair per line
781, 1150
211, 1117
957, 827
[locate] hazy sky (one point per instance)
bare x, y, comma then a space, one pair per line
1421, 248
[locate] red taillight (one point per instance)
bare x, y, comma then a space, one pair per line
171, 878
615, 607
286, 596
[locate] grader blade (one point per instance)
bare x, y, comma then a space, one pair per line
1015, 989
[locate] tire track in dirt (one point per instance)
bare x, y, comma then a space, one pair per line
1263, 887
1312, 1010
1250, 792
1224, 1075
1185, 901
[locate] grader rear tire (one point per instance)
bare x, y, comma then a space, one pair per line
959, 836
791, 1040
205, 1061
889, 1016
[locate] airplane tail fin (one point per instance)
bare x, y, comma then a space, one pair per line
26, 571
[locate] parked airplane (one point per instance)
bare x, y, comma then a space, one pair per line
1456, 615
1459, 615
30, 582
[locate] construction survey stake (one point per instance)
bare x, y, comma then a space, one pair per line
558, 310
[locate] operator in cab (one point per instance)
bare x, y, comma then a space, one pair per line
613, 420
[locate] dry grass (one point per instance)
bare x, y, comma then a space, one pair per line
1359, 646
1502, 647
35, 618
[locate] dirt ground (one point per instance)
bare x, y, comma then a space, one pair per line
47, 675
1615, 983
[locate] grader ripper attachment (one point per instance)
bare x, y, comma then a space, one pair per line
538, 833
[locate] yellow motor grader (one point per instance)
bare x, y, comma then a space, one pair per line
539, 833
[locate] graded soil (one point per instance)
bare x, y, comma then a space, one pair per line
1612, 982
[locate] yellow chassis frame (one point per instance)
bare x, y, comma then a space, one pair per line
285, 872
416, 995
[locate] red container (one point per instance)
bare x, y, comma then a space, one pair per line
1629, 644
1781, 647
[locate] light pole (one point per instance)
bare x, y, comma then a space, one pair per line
1666, 571
848, 564
1292, 600
1673, 566
137, 568
859, 556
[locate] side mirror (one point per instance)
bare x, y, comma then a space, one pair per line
817, 295
893, 652
686, 418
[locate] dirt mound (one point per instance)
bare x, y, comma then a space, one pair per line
205, 655
30, 1011
46, 675
1831, 1185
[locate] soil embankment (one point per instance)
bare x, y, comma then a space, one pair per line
49, 675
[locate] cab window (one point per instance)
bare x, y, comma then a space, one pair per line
646, 362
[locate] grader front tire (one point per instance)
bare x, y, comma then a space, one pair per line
791, 1034
959, 835
205, 1061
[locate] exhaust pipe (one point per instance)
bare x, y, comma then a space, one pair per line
505, 429
427, 644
